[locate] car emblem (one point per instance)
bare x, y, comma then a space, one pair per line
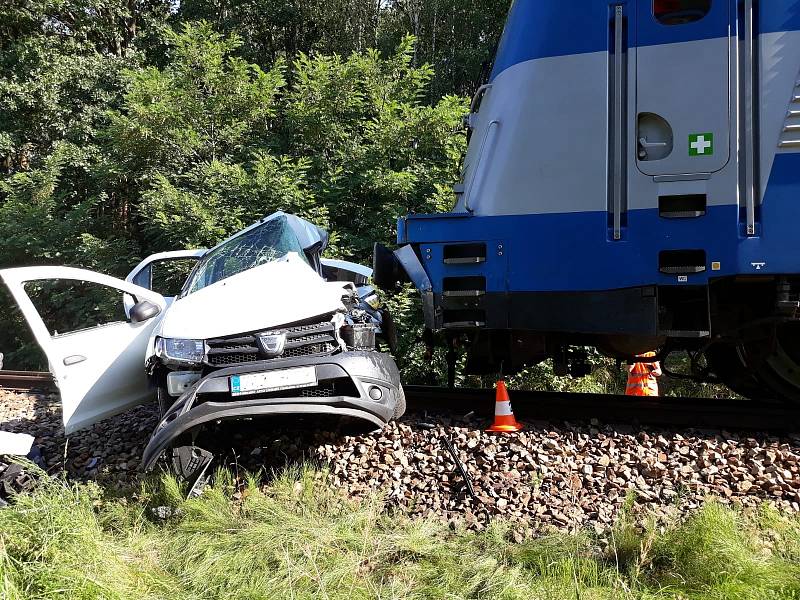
271, 345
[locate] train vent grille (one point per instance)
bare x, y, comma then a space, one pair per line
790, 136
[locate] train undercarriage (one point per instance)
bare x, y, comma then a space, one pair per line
743, 332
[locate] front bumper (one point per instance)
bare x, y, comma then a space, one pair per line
350, 374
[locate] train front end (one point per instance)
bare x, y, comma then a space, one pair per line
631, 183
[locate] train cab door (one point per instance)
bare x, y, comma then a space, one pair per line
683, 97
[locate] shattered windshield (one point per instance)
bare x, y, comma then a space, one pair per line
267, 243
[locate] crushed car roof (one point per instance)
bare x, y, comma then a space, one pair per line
308, 234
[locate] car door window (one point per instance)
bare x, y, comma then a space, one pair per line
67, 306
94, 352
170, 275
16, 340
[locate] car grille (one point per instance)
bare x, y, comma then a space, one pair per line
341, 386
312, 339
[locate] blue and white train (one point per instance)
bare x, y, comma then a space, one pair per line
632, 183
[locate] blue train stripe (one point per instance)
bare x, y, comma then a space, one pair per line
571, 252
538, 29
548, 28
779, 15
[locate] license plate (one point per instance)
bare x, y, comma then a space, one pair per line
273, 381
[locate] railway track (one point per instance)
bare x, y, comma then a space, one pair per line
26, 381
701, 413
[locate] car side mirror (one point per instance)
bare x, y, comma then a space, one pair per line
144, 311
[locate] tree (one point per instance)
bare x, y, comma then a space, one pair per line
212, 143
274, 29
205, 105
457, 37
191, 141
61, 62
376, 149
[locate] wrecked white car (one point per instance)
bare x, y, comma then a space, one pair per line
261, 326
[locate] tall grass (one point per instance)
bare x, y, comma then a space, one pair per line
297, 538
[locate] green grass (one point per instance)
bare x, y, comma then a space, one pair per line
296, 538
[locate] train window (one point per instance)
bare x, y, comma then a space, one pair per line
680, 12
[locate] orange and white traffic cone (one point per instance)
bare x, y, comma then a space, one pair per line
503, 415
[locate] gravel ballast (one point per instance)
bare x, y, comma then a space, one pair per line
108, 452
562, 475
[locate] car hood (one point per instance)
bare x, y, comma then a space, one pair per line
266, 296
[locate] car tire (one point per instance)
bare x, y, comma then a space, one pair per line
164, 401
400, 407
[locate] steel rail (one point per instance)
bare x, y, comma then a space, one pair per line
26, 381
700, 413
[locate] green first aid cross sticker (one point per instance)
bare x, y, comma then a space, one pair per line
701, 144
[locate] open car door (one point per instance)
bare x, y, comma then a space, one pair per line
95, 350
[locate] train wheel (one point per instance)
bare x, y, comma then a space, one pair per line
780, 370
729, 363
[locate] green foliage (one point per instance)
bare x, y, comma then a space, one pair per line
299, 538
458, 37
272, 29
60, 72
205, 105
60, 62
44, 222
375, 150
217, 199
348, 145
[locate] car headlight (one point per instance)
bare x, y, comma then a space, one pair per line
179, 351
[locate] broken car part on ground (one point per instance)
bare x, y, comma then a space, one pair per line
262, 325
